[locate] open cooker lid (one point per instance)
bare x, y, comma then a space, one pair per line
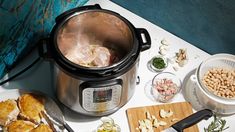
76, 33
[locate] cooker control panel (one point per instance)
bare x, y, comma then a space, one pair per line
102, 98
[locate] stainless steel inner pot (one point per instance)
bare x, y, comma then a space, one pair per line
94, 28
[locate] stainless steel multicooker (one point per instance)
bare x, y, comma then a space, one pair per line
91, 86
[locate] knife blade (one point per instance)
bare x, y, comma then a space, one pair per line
189, 121
53, 110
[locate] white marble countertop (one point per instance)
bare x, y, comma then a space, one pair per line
40, 76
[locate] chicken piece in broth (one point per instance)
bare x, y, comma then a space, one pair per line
102, 58
92, 56
81, 55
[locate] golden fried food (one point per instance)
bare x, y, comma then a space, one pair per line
8, 111
42, 128
19, 126
31, 106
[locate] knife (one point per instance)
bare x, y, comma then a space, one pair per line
189, 121
54, 112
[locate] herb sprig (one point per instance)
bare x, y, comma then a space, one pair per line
217, 125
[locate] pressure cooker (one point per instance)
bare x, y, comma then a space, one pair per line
95, 55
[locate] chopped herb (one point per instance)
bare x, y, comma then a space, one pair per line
217, 125
158, 63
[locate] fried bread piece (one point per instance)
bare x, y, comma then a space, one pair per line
8, 111
31, 106
19, 126
42, 128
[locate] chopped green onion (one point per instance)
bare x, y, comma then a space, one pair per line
158, 63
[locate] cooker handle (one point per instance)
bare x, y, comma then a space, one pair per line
43, 48
145, 43
81, 8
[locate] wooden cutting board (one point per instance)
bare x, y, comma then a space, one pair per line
181, 110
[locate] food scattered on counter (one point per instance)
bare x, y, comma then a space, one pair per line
165, 42
24, 114
150, 122
174, 119
108, 125
180, 111
162, 52
166, 88
177, 60
157, 123
42, 128
148, 116
8, 111
31, 106
181, 57
217, 125
175, 67
145, 125
220, 81
165, 114
19, 126
164, 47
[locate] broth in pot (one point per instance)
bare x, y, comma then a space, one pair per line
81, 42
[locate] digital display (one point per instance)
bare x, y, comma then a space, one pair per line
102, 96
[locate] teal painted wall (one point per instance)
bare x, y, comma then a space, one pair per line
23, 23
207, 24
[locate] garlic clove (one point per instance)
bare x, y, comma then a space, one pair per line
174, 119
162, 123
148, 123
170, 113
144, 129
182, 63
141, 124
162, 52
165, 114
164, 47
162, 113
153, 117
165, 42
156, 123
176, 68
148, 116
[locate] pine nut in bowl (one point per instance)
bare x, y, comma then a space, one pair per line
165, 86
